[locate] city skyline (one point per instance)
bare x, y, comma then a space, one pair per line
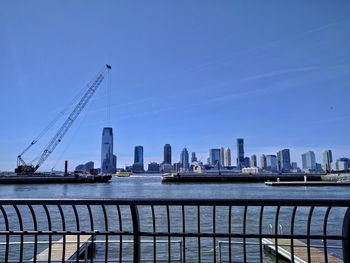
200, 81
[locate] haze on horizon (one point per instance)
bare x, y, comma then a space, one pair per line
194, 73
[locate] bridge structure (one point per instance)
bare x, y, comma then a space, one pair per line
174, 230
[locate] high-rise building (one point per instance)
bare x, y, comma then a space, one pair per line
283, 161
271, 163
327, 160
214, 155
253, 162
308, 161
240, 152
263, 161
246, 163
227, 161
222, 156
184, 163
193, 157
107, 162
167, 154
138, 167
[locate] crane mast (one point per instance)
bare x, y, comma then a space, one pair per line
24, 168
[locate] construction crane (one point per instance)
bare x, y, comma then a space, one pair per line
29, 168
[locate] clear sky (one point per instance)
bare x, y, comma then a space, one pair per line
195, 73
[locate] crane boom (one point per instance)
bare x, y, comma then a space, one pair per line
24, 168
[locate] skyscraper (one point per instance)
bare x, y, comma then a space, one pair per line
327, 160
308, 161
227, 161
138, 167
263, 161
253, 161
107, 162
184, 164
222, 156
240, 152
283, 160
214, 155
271, 163
193, 157
167, 153
138, 155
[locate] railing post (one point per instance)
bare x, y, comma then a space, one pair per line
136, 232
346, 236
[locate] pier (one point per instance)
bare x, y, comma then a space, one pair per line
68, 249
297, 251
235, 178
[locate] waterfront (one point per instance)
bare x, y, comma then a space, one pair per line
150, 186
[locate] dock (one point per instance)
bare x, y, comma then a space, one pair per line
41, 178
67, 251
235, 177
299, 249
308, 183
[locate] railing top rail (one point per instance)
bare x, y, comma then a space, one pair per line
187, 202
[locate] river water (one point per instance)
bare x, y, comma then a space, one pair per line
150, 186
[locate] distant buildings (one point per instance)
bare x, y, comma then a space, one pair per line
138, 167
253, 162
240, 152
108, 162
184, 160
193, 157
271, 163
263, 161
85, 167
283, 161
327, 160
214, 155
167, 154
153, 168
222, 156
308, 161
227, 157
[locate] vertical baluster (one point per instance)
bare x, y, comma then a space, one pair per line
214, 231
230, 232
7, 228
260, 233
120, 237
276, 232
199, 231
169, 238
183, 231
309, 233
48, 217
32, 212
154, 237
76, 215
92, 229
105, 217
63, 220
325, 221
136, 232
244, 234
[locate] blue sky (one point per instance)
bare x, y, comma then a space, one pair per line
194, 73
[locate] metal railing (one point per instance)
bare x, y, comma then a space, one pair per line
173, 230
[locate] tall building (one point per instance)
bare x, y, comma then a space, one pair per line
263, 161
214, 155
167, 154
327, 160
184, 163
283, 161
222, 156
271, 163
138, 167
138, 154
253, 162
246, 162
107, 162
240, 152
193, 157
308, 161
227, 161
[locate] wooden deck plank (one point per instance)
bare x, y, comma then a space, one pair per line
71, 247
300, 251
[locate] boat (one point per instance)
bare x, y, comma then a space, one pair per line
123, 174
